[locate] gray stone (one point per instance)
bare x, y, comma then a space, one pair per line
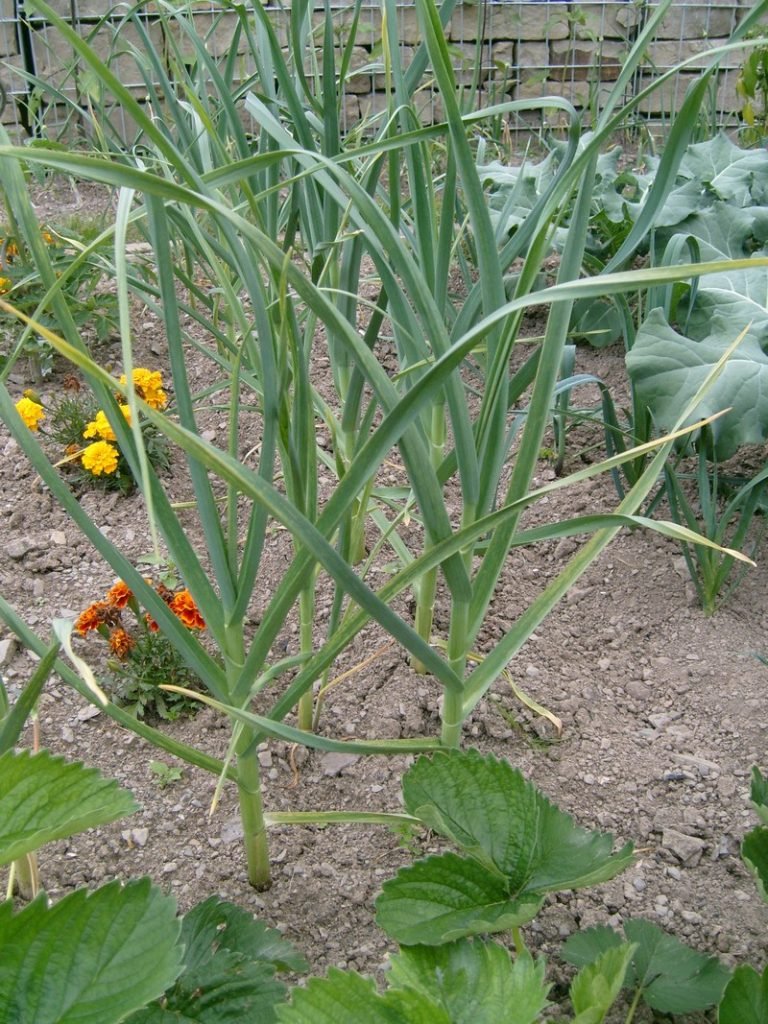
85, 714
139, 836
231, 831
687, 849
19, 547
637, 690
334, 764
7, 650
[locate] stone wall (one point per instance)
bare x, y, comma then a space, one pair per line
524, 50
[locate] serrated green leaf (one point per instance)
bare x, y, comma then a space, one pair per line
216, 924
443, 898
228, 989
474, 982
229, 965
596, 987
745, 1000
754, 850
488, 809
344, 997
583, 948
667, 369
43, 798
92, 958
414, 1007
674, 977
758, 794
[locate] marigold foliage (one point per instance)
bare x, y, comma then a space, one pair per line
142, 657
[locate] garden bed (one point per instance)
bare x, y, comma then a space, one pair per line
663, 714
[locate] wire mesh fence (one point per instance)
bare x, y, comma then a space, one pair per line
501, 50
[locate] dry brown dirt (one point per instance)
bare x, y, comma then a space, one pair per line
663, 713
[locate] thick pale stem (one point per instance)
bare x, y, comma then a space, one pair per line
27, 876
252, 815
306, 616
453, 700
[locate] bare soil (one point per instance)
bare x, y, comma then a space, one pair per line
663, 711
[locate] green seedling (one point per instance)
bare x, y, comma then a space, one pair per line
165, 775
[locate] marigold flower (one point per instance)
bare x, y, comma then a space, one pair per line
5, 285
150, 623
121, 642
100, 457
184, 607
31, 412
100, 427
149, 386
91, 618
47, 237
119, 594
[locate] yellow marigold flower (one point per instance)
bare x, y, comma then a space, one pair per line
31, 412
47, 237
184, 607
101, 428
149, 386
100, 457
5, 285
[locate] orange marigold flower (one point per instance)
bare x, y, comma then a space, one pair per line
183, 605
121, 642
100, 427
31, 412
91, 618
119, 594
100, 457
152, 626
149, 386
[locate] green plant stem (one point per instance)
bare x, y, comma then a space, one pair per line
252, 812
306, 617
517, 938
427, 586
634, 1004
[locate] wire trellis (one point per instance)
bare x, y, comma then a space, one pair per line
501, 50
